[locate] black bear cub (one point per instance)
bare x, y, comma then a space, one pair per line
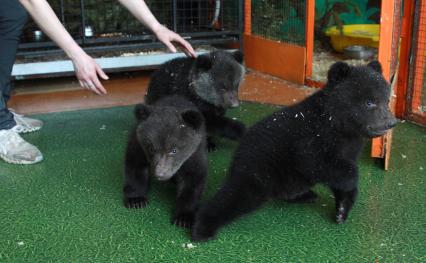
211, 82
168, 142
315, 141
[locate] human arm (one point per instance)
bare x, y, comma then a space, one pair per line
86, 69
140, 10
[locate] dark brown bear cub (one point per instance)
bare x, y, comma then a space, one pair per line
169, 143
211, 82
315, 141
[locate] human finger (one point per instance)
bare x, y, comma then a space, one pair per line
187, 48
101, 73
98, 86
90, 86
170, 46
82, 84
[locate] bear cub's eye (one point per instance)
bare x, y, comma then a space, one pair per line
370, 105
173, 151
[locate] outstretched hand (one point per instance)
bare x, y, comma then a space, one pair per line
169, 37
87, 72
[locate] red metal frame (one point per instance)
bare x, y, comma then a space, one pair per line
405, 50
310, 21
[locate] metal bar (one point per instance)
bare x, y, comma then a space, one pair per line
247, 17
62, 13
309, 38
221, 16
404, 66
241, 22
174, 15
83, 22
385, 47
223, 34
125, 47
65, 67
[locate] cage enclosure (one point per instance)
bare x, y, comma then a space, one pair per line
109, 33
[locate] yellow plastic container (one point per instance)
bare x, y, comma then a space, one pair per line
363, 35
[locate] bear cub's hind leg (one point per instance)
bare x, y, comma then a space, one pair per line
344, 203
307, 197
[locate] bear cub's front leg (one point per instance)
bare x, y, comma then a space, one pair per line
190, 186
226, 127
136, 177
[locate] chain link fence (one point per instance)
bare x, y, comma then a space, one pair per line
280, 20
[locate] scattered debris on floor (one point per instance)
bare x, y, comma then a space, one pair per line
188, 246
323, 60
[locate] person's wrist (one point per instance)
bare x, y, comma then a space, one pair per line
156, 28
74, 51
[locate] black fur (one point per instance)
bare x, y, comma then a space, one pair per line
168, 142
315, 141
211, 82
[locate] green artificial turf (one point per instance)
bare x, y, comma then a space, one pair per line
69, 207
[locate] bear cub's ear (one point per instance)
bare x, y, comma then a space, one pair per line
338, 72
142, 112
376, 66
193, 118
204, 62
238, 56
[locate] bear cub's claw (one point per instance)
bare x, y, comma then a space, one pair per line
341, 215
184, 220
136, 202
211, 146
202, 235
237, 130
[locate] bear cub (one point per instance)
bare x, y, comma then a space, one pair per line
315, 141
211, 82
169, 143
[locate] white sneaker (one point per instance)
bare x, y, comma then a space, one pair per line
14, 149
25, 124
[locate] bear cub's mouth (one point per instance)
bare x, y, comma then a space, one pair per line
372, 132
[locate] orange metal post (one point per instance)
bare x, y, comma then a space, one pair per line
404, 67
310, 26
247, 17
385, 51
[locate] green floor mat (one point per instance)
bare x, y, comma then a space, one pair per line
69, 207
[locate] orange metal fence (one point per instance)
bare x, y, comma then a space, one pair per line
275, 38
417, 85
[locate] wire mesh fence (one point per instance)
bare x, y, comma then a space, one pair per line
281, 20
418, 67
92, 22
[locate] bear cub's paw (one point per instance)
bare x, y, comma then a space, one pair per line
184, 219
235, 130
211, 145
341, 215
135, 202
202, 234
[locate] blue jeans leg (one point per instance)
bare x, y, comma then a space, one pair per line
12, 20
